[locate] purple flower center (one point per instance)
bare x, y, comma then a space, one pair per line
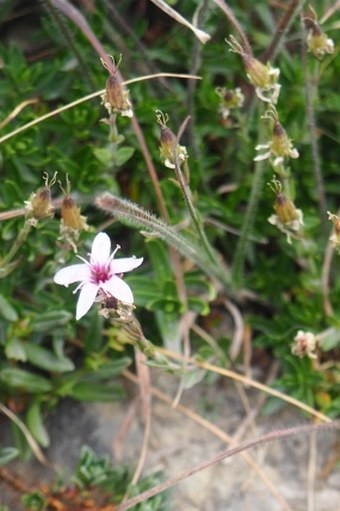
100, 274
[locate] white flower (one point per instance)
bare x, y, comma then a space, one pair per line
305, 343
99, 275
279, 146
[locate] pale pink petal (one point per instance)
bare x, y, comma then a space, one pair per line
71, 274
101, 248
125, 264
86, 298
118, 288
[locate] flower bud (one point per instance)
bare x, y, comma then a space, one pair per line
285, 209
116, 97
288, 218
71, 216
257, 72
281, 144
39, 205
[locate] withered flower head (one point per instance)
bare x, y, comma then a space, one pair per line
288, 218
116, 97
335, 237
72, 222
168, 143
264, 77
279, 146
317, 41
230, 99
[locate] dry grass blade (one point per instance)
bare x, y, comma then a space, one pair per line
311, 473
83, 99
30, 440
12, 115
145, 392
200, 34
227, 453
219, 433
252, 383
236, 342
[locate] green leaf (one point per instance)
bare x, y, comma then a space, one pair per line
7, 311
20, 379
169, 327
93, 338
122, 155
114, 368
36, 425
14, 350
49, 321
45, 359
145, 289
7, 454
159, 256
199, 305
34, 501
331, 340
102, 392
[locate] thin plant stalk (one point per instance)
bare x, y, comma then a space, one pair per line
311, 121
249, 217
28, 435
5, 266
282, 28
195, 64
192, 211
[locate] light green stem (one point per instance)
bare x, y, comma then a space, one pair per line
193, 213
5, 269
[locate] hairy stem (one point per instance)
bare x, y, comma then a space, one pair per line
249, 217
131, 214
